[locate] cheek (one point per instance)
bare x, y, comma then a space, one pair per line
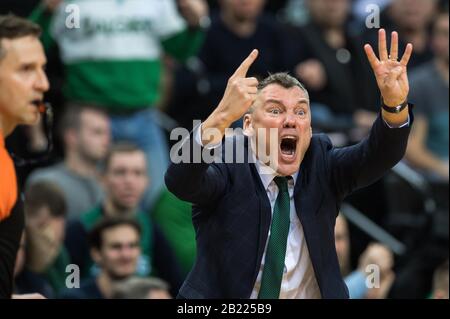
111, 256
115, 185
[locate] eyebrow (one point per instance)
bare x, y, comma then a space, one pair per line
301, 101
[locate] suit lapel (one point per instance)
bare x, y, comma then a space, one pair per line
306, 205
264, 217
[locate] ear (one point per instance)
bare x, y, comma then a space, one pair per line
310, 130
70, 137
247, 125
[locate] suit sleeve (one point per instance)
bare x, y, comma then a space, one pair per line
165, 262
191, 178
359, 165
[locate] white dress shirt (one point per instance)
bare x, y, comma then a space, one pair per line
299, 280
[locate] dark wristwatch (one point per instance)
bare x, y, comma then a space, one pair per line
394, 109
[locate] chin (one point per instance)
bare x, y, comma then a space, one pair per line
31, 119
288, 169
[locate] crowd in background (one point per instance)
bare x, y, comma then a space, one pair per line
136, 69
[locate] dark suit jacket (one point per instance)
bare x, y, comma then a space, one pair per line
232, 213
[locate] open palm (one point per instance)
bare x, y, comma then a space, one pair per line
391, 74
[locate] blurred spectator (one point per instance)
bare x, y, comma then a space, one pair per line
114, 246
238, 28
375, 254
428, 144
125, 179
330, 61
86, 135
440, 282
113, 59
342, 242
412, 20
141, 288
26, 281
45, 211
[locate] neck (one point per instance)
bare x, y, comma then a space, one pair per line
80, 166
104, 283
111, 210
242, 28
442, 67
6, 126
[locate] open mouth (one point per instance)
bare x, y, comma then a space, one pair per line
288, 146
37, 103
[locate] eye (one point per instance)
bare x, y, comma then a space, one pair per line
301, 112
26, 68
275, 111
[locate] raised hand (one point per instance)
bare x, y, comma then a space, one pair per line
193, 11
241, 91
239, 95
391, 74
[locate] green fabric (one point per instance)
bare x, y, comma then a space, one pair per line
118, 85
90, 218
43, 18
56, 273
184, 45
276, 249
174, 218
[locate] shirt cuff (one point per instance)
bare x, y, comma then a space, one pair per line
356, 284
399, 126
198, 139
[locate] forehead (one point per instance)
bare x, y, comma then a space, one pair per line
91, 116
22, 50
120, 233
278, 92
135, 159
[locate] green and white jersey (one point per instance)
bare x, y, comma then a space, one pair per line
111, 49
114, 30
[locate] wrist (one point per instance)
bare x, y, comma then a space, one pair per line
213, 129
393, 103
393, 107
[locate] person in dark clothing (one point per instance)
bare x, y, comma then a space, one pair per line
22, 86
264, 217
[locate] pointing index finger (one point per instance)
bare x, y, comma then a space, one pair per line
242, 70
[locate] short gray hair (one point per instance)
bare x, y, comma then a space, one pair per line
283, 79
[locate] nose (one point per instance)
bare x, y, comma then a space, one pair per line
289, 121
42, 83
